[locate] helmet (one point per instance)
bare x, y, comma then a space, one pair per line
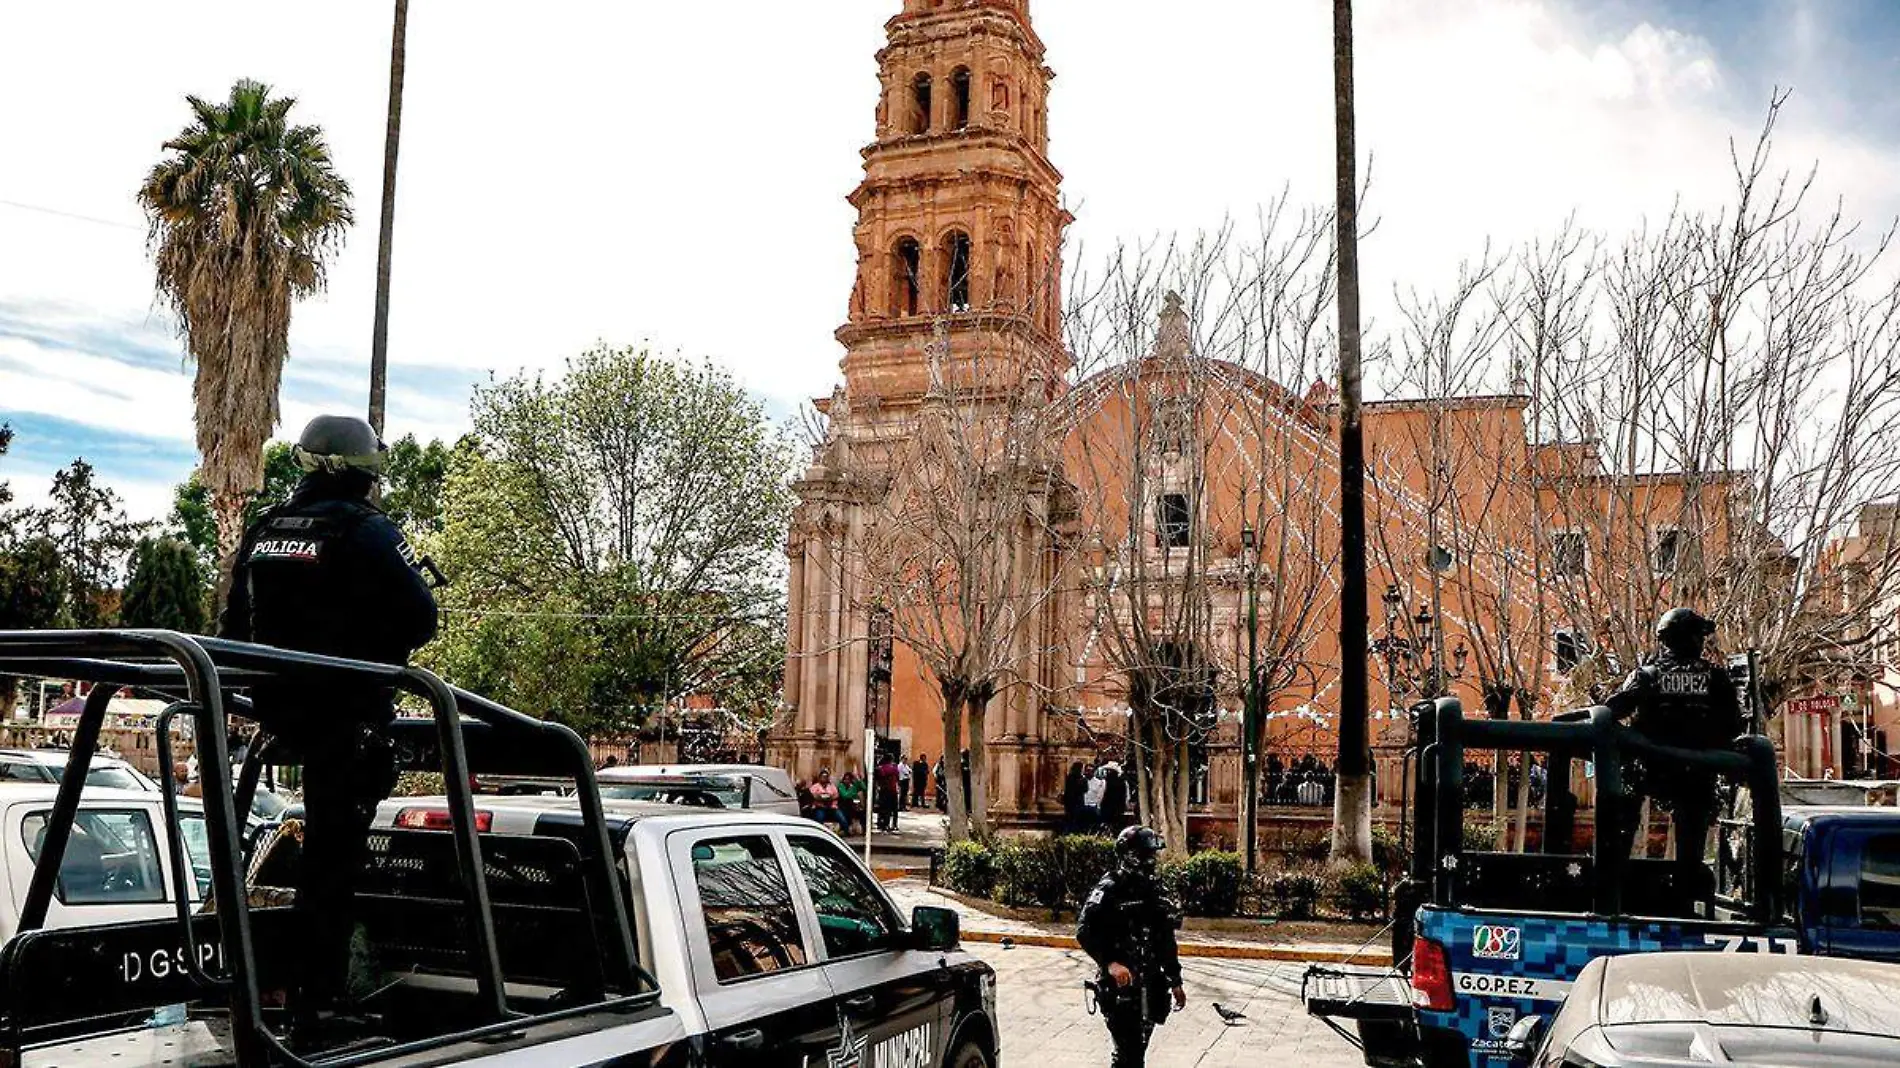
334, 444
1138, 850
1683, 628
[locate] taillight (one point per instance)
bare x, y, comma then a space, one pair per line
437, 819
1431, 977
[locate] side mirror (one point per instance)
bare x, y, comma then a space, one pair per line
933, 929
1526, 1035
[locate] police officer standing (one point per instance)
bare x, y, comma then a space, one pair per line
1680, 699
327, 572
1127, 926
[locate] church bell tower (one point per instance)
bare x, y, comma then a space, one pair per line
959, 234
960, 218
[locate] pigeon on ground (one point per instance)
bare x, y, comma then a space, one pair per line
1230, 1017
1008, 942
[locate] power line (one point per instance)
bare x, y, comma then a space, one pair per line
70, 215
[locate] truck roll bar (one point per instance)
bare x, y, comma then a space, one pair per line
197, 671
1445, 733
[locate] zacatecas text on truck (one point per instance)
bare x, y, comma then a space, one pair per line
498, 930
1482, 938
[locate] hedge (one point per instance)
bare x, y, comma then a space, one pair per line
1359, 892
1209, 883
1058, 873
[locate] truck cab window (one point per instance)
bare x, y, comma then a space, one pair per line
851, 912
111, 858
1880, 883
750, 921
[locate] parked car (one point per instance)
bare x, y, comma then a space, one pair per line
746, 786
117, 867
1654, 1009
46, 765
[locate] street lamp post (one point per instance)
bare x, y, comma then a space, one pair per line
1250, 713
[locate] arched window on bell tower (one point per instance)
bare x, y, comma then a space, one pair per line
907, 277
957, 260
960, 99
920, 104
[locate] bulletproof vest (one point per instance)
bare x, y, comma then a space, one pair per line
309, 587
1683, 706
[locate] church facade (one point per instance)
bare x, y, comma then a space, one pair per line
1175, 471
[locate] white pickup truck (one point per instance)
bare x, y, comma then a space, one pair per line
769, 942
530, 930
116, 868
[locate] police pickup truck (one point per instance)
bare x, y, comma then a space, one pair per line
493, 930
1485, 938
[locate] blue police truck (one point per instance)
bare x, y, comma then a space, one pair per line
1485, 937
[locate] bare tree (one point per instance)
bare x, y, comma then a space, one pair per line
962, 547
1178, 442
1741, 412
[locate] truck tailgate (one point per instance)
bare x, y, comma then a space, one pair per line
1506, 965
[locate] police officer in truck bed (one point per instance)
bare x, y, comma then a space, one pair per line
327, 572
1685, 700
1127, 926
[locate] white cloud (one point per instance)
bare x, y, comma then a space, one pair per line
574, 172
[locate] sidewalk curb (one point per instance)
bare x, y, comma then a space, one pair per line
1202, 949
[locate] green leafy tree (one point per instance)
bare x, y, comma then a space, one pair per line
32, 597
245, 211
413, 483
193, 520
86, 521
613, 540
6, 491
165, 587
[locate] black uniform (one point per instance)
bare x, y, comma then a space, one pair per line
1683, 700
1128, 921
327, 572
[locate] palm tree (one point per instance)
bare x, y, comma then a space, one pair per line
1352, 799
245, 211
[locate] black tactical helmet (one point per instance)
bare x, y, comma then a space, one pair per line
337, 443
1683, 628
1139, 849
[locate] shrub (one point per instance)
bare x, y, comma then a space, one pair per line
970, 868
1083, 859
1359, 892
1311, 847
1207, 883
1480, 837
1386, 854
1293, 894
1029, 870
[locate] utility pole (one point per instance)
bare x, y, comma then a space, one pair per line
1352, 812
392, 139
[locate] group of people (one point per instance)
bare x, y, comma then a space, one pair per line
1481, 783
1095, 798
1306, 781
893, 786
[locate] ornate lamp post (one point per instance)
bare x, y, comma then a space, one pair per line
1250, 714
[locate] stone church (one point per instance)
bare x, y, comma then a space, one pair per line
960, 226
959, 237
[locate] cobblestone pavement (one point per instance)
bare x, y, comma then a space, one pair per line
1039, 997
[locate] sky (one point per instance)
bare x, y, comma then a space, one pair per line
674, 174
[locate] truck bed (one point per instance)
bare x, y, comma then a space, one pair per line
206, 1043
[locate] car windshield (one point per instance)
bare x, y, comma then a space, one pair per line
710, 792
116, 779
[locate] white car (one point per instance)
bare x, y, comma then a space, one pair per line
117, 866
47, 765
743, 786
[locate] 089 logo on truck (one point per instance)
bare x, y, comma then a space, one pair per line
1496, 942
